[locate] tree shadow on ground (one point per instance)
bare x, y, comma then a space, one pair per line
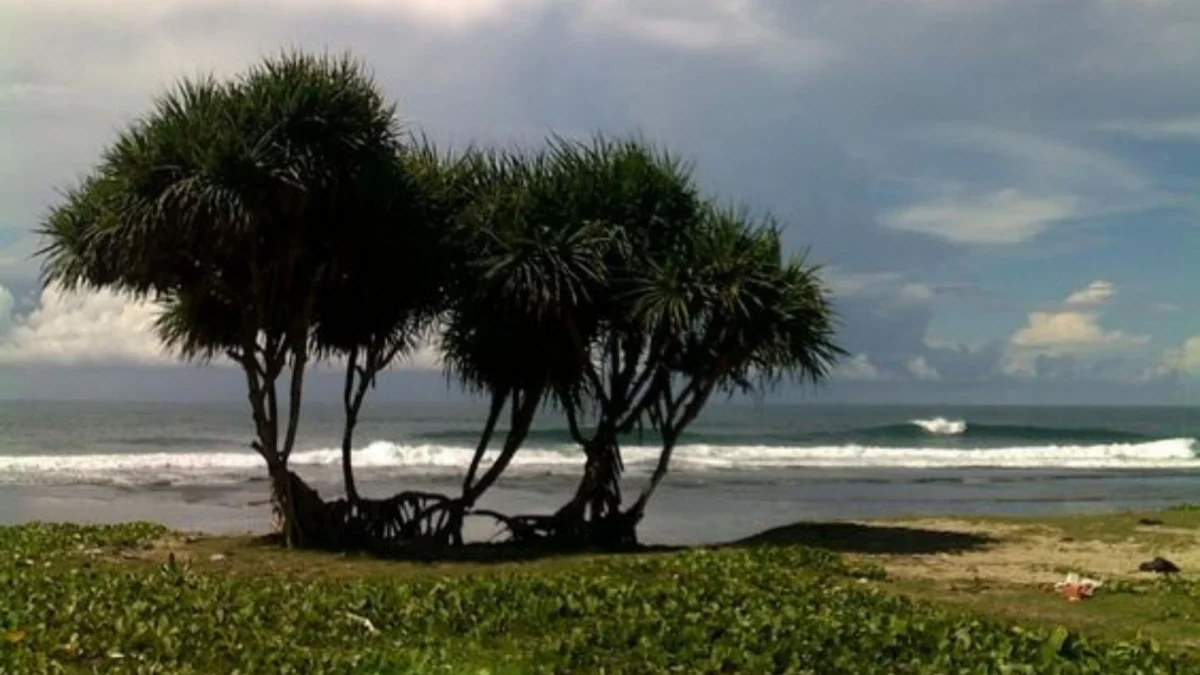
869, 539
475, 553
839, 537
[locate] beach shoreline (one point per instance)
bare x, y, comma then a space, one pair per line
688, 510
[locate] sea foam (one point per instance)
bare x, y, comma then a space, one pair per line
941, 426
386, 459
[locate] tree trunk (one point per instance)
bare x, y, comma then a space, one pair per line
638, 510
593, 516
347, 452
523, 409
352, 398
671, 431
283, 506
485, 438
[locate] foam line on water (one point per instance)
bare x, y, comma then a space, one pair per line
383, 458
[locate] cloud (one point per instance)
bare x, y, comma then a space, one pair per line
962, 362
846, 283
1071, 331
450, 14
8, 305
1072, 344
1028, 365
105, 328
1184, 360
1002, 217
1173, 129
890, 285
1044, 158
919, 368
916, 292
1094, 293
857, 367
81, 328
712, 25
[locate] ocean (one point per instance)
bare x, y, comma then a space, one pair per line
740, 468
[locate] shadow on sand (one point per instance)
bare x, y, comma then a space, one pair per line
876, 539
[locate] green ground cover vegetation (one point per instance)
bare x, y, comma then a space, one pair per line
116, 599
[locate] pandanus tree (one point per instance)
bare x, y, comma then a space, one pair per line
648, 203
732, 314
240, 206
384, 293
684, 300
528, 277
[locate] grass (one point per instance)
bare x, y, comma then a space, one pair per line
932, 596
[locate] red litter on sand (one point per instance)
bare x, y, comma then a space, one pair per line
1076, 588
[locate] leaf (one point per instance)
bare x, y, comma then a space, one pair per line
14, 635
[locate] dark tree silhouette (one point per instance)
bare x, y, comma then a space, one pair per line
608, 286
239, 206
280, 217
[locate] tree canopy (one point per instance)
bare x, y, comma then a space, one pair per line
249, 210
282, 217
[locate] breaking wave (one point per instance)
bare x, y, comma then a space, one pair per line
941, 426
386, 459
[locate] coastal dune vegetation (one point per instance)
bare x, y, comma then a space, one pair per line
136, 598
282, 218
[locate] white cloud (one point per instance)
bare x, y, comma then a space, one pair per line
916, 292
1033, 182
712, 25
1064, 332
845, 283
1173, 129
1073, 344
1094, 293
8, 305
889, 284
1002, 217
857, 367
934, 342
1045, 158
70, 328
919, 368
1019, 364
1184, 360
67, 328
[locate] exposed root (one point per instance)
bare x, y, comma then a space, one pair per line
568, 530
387, 525
412, 521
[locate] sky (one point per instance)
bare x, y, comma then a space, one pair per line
1005, 196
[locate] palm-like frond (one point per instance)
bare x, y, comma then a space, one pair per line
760, 317
198, 325
265, 188
530, 279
